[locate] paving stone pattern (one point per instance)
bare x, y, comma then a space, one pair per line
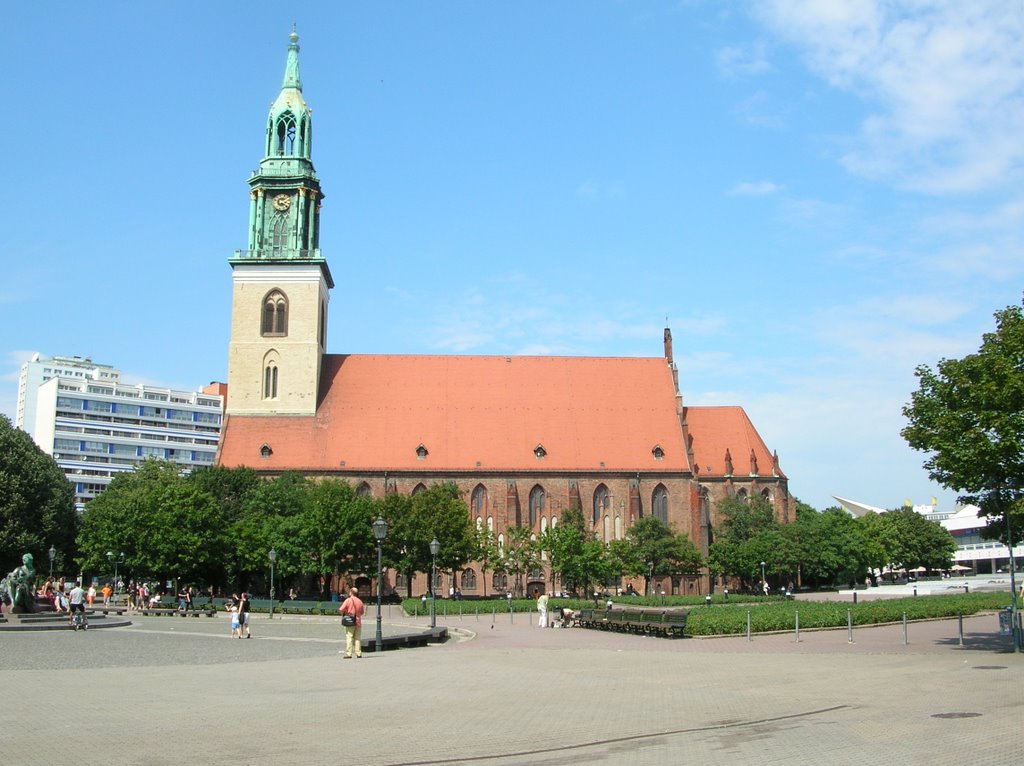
506, 693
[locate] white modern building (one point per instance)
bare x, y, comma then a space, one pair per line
38, 370
96, 427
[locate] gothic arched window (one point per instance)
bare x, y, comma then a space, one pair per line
536, 503
659, 503
363, 490
479, 500
270, 381
275, 314
421, 487
286, 134
279, 233
601, 502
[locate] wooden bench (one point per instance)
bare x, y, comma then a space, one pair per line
296, 606
119, 610
647, 622
208, 609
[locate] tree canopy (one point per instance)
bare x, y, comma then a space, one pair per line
968, 416
37, 503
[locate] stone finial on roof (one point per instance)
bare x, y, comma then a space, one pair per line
753, 464
728, 462
775, 463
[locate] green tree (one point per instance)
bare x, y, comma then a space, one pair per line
831, 546
744, 538
167, 527
909, 540
521, 555
337, 531
437, 512
577, 558
664, 552
485, 551
968, 417
231, 487
401, 549
37, 504
272, 518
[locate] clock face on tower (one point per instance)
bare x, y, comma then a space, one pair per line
282, 202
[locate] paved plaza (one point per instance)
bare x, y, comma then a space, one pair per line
502, 692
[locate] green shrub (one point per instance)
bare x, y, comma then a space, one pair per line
724, 620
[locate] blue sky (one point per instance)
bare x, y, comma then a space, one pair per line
817, 196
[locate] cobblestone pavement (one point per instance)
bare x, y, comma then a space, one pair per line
505, 693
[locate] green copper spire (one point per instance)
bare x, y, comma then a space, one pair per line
290, 125
291, 69
285, 194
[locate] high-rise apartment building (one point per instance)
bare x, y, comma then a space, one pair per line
96, 427
37, 371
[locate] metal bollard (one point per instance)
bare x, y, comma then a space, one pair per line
855, 597
849, 626
960, 629
904, 628
748, 626
796, 616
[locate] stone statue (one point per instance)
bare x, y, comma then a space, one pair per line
17, 588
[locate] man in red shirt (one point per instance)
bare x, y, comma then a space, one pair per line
352, 610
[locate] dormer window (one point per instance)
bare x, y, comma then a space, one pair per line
539, 452
265, 451
658, 452
421, 452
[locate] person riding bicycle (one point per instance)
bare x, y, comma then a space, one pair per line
76, 601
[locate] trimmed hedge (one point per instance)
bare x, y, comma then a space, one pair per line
727, 620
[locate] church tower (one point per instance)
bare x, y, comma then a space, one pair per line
281, 282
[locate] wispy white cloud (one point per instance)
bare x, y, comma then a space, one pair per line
762, 111
816, 212
755, 189
743, 60
945, 82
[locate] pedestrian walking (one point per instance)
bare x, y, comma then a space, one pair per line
243, 615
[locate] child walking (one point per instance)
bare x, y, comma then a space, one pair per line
236, 628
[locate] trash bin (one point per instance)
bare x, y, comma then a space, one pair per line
1005, 621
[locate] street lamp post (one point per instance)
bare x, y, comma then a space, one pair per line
380, 533
115, 560
763, 580
435, 548
272, 555
53, 555
1014, 632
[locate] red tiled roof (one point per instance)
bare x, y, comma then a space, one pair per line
715, 429
470, 413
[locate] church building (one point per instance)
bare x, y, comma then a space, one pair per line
523, 437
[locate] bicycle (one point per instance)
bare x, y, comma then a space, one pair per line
78, 620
